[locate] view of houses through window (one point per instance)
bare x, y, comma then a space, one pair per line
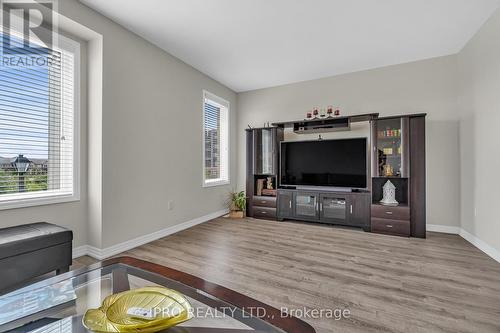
25, 102
34, 179
36, 120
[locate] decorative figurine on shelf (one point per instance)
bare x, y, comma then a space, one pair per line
337, 112
309, 115
389, 195
329, 111
269, 183
388, 170
315, 112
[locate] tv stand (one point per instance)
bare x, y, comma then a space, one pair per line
325, 206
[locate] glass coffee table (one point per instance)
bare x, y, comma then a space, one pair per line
58, 304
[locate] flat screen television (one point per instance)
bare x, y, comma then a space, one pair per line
332, 163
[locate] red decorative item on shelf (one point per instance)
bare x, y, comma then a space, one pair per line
329, 111
337, 112
309, 115
315, 112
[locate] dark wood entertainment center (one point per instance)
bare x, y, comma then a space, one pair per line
396, 153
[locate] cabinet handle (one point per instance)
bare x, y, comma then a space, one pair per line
262, 212
389, 213
321, 207
263, 202
290, 204
388, 225
351, 209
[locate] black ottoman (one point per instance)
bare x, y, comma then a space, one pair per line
31, 250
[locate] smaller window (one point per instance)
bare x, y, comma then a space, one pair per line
215, 140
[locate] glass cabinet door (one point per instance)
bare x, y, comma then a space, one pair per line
285, 204
333, 208
306, 205
390, 148
264, 151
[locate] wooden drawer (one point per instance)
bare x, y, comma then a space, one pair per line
263, 201
393, 213
264, 213
391, 227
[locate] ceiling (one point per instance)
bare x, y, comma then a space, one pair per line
252, 44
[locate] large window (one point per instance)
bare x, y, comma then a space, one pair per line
215, 140
38, 124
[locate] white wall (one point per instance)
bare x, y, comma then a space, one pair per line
425, 86
151, 142
479, 100
151, 133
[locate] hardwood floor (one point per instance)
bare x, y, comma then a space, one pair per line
389, 284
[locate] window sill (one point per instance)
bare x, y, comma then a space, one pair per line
39, 199
216, 183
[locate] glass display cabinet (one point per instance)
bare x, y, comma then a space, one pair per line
391, 147
264, 155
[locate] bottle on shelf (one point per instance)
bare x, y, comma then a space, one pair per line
390, 133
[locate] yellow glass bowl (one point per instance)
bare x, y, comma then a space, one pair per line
168, 306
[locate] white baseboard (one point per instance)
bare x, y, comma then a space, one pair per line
80, 251
101, 254
483, 246
443, 228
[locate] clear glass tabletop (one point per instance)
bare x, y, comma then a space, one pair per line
59, 303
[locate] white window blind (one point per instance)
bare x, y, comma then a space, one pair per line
38, 124
215, 140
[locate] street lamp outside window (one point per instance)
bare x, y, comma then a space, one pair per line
22, 164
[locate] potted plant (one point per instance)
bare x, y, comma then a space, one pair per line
238, 205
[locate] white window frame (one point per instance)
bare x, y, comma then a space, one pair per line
30, 199
223, 104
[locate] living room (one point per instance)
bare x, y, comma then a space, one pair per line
317, 166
